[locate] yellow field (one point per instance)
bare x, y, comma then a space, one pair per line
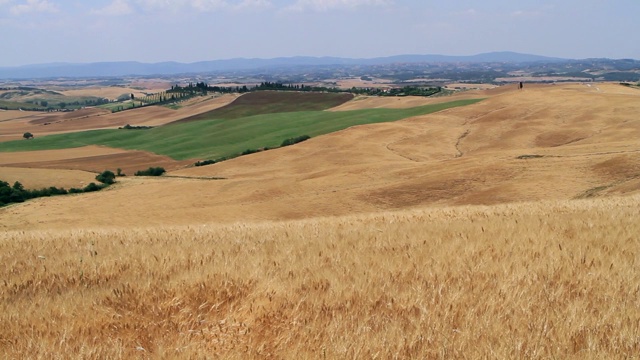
539, 280
108, 92
504, 229
43, 178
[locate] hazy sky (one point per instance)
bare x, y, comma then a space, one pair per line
42, 31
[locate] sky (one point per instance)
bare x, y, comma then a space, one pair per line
81, 31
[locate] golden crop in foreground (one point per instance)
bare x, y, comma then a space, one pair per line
532, 280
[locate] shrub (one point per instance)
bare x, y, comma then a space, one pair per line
295, 140
205, 162
107, 177
250, 151
130, 127
152, 171
92, 187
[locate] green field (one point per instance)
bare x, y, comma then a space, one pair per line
15, 105
215, 138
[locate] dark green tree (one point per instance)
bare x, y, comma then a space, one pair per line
106, 177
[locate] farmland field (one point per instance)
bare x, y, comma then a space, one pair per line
507, 228
222, 137
271, 102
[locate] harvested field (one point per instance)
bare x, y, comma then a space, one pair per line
91, 158
44, 178
109, 92
12, 114
405, 102
357, 82
470, 86
56, 155
475, 154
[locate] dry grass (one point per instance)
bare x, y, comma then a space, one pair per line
148, 269
109, 92
57, 164
584, 139
539, 280
41, 178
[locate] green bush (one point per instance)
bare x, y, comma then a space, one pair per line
92, 187
205, 162
152, 171
250, 151
295, 140
106, 177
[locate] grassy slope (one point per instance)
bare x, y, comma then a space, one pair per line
15, 105
216, 138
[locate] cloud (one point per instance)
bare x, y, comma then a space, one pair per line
252, 5
33, 6
523, 13
116, 8
326, 5
203, 5
208, 5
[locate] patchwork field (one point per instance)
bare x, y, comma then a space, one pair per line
506, 228
230, 130
42, 124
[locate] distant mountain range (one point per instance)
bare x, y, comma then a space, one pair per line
126, 68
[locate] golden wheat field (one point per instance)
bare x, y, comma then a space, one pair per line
504, 229
533, 280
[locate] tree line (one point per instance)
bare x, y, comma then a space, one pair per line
180, 93
203, 88
17, 193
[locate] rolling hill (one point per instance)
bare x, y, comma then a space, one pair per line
507, 228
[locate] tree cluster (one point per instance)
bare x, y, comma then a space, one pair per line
152, 171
